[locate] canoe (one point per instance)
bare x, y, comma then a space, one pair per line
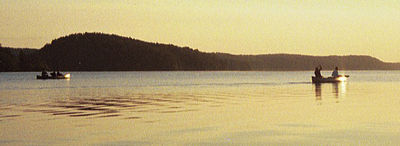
66, 76
340, 78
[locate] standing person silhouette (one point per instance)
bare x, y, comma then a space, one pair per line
335, 72
317, 72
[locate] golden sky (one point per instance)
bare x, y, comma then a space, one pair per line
312, 27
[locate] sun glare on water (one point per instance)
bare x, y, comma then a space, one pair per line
67, 76
342, 79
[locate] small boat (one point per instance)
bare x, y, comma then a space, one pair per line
66, 76
340, 78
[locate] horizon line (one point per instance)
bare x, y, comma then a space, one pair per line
236, 54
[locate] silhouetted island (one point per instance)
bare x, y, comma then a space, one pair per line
105, 52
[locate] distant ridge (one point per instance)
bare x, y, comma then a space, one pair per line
106, 52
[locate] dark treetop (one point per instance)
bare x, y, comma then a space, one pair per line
105, 52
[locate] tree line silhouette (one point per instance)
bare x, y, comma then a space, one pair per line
108, 52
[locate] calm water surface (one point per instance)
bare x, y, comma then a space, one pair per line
200, 108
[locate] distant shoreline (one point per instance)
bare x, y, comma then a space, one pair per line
108, 52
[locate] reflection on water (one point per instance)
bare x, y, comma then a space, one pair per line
197, 108
335, 87
117, 106
318, 91
131, 106
130, 103
338, 90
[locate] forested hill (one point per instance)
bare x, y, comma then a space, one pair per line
104, 52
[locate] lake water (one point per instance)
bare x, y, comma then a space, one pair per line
200, 108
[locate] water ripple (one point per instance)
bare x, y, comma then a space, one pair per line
128, 107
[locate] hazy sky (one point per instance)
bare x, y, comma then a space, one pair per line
334, 27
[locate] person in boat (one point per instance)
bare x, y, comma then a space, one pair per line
53, 74
44, 74
59, 74
335, 72
317, 72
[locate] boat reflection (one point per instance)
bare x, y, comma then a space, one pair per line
338, 89
318, 91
